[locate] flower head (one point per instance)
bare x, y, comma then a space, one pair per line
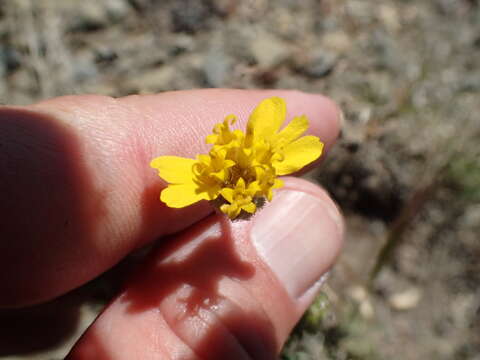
241, 169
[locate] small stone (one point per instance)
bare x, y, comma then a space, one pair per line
360, 295
23, 79
90, 16
84, 67
366, 309
337, 41
224, 7
117, 10
153, 80
267, 50
189, 16
105, 55
322, 63
388, 15
10, 59
470, 83
360, 11
217, 67
405, 300
357, 293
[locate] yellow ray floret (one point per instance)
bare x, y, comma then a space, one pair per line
241, 168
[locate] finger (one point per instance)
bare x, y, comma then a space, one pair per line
224, 290
77, 191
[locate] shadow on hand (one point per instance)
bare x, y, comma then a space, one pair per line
52, 326
200, 264
50, 208
37, 328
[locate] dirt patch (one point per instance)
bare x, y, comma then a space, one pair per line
407, 75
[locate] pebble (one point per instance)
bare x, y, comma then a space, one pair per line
116, 10
224, 7
10, 59
321, 64
267, 50
360, 295
153, 80
189, 16
405, 300
217, 67
470, 83
84, 67
388, 15
90, 16
337, 41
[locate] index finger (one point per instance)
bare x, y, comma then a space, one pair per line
78, 191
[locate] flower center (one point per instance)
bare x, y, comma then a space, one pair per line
236, 172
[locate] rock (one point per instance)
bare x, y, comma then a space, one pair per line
267, 50
90, 16
321, 64
84, 67
189, 16
94, 15
10, 59
217, 67
181, 43
24, 80
152, 80
224, 7
471, 217
360, 295
105, 55
388, 15
360, 11
337, 41
470, 83
117, 10
405, 300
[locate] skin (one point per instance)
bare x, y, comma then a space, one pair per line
78, 196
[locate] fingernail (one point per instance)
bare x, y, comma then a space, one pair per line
298, 235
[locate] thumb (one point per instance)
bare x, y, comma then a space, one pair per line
224, 290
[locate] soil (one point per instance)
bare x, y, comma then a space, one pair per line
406, 170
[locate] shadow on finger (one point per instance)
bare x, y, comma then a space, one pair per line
180, 284
50, 211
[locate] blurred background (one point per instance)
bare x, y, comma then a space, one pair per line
406, 170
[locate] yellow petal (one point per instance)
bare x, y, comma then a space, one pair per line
174, 169
240, 186
250, 208
298, 154
227, 194
292, 131
204, 159
278, 183
267, 118
179, 196
211, 139
231, 210
219, 175
224, 208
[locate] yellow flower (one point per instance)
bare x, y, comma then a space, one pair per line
241, 169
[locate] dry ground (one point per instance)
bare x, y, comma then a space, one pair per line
406, 170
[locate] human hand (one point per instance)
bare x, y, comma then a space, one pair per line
78, 195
